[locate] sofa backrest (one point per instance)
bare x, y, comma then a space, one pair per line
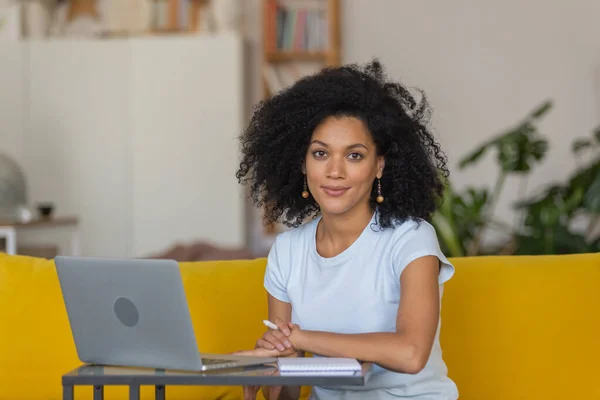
512, 327
523, 327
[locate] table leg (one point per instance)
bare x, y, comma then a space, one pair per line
67, 392
98, 392
134, 392
159, 392
10, 234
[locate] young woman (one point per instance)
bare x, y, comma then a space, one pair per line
344, 157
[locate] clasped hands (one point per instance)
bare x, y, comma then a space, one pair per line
281, 342
284, 339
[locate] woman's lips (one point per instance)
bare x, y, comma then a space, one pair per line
334, 191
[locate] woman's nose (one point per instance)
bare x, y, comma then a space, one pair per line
335, 168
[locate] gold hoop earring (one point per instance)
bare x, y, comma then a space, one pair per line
305, 191
379, 196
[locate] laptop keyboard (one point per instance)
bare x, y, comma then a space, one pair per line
216, 361
210, 361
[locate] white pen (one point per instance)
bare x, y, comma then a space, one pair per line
269, 324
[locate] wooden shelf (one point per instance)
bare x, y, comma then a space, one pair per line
42, 222
286, 56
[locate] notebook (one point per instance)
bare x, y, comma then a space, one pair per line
318, 366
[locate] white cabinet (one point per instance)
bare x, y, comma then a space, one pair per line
12, 111
186, 114
77, 128
138, 137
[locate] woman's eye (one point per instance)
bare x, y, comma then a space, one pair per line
319, 153
355, 156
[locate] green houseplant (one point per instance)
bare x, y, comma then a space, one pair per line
547, 220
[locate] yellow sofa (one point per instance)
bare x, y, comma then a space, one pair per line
512, 327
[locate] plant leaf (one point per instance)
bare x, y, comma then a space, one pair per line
580, 144
519, 151
555, 240
591, 199
542, 109
518, 148
473, 157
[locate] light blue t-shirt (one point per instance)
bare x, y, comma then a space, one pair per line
358, 291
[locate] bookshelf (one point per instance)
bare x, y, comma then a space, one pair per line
177, 16
299, 38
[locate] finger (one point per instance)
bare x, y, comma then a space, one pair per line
287, 352
264, 344
293, 326
258, 352
278, 340
244, 353
282, 325
262, 352
273, 343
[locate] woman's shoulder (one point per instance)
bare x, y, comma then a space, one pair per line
409, 228
414, 238
300, 233
413, 235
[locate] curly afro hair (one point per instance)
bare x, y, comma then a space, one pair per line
275, 142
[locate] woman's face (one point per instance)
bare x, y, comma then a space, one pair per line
341, 165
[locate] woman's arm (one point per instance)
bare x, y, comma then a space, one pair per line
406, 350
279, 310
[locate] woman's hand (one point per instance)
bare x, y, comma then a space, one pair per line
279, 339
274, 343
269, 393
272, 392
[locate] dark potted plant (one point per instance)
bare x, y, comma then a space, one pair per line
548, 220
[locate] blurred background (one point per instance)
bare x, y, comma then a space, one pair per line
119, 118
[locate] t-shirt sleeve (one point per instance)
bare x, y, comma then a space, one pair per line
420, 241
276, 272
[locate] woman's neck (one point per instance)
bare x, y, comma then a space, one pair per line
335, 233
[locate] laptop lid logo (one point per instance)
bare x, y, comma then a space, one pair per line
126, 312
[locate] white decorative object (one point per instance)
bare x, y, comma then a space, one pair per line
226, 15
13, 189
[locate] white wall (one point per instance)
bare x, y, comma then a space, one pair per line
484, 65
136, 137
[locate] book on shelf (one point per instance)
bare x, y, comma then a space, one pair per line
179, 15
296, 26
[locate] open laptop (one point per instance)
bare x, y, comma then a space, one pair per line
134, 313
